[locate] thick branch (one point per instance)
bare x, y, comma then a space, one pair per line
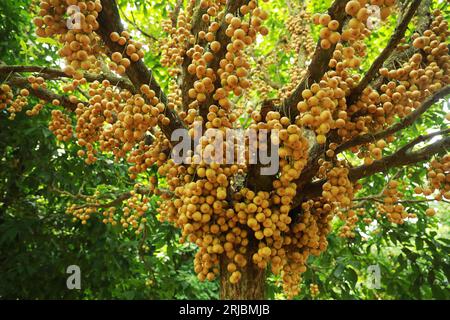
188, 79
232, 7
197, 22
57, 73
139, 74
109, 20
315, 72
422, 23
422, 138
176, 13
403, 123
314, 154
380, 199
398, 159
43, 94
398, 35
319, 63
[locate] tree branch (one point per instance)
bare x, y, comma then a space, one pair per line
57, 73
424, 19
118, 199
139, 74
43, 94
379, 199
319, 63
422, 138
403, 123
399, 158
188, 80
398, 35
176, 12
315, 72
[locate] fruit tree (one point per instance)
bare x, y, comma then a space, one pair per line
337, 122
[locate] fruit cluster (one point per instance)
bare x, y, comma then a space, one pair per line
133, 49
394, 210
438, 179
61, 126
314, 290
6, 96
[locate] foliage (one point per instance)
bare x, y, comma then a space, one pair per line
38, 241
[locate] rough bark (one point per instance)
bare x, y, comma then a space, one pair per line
53, 73
253, 282
402, 157
316, 69
402, 124
43, 94
138, 73
398, 35
320, 60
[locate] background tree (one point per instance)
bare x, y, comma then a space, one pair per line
345, 112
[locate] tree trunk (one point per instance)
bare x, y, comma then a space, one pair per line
252, 285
